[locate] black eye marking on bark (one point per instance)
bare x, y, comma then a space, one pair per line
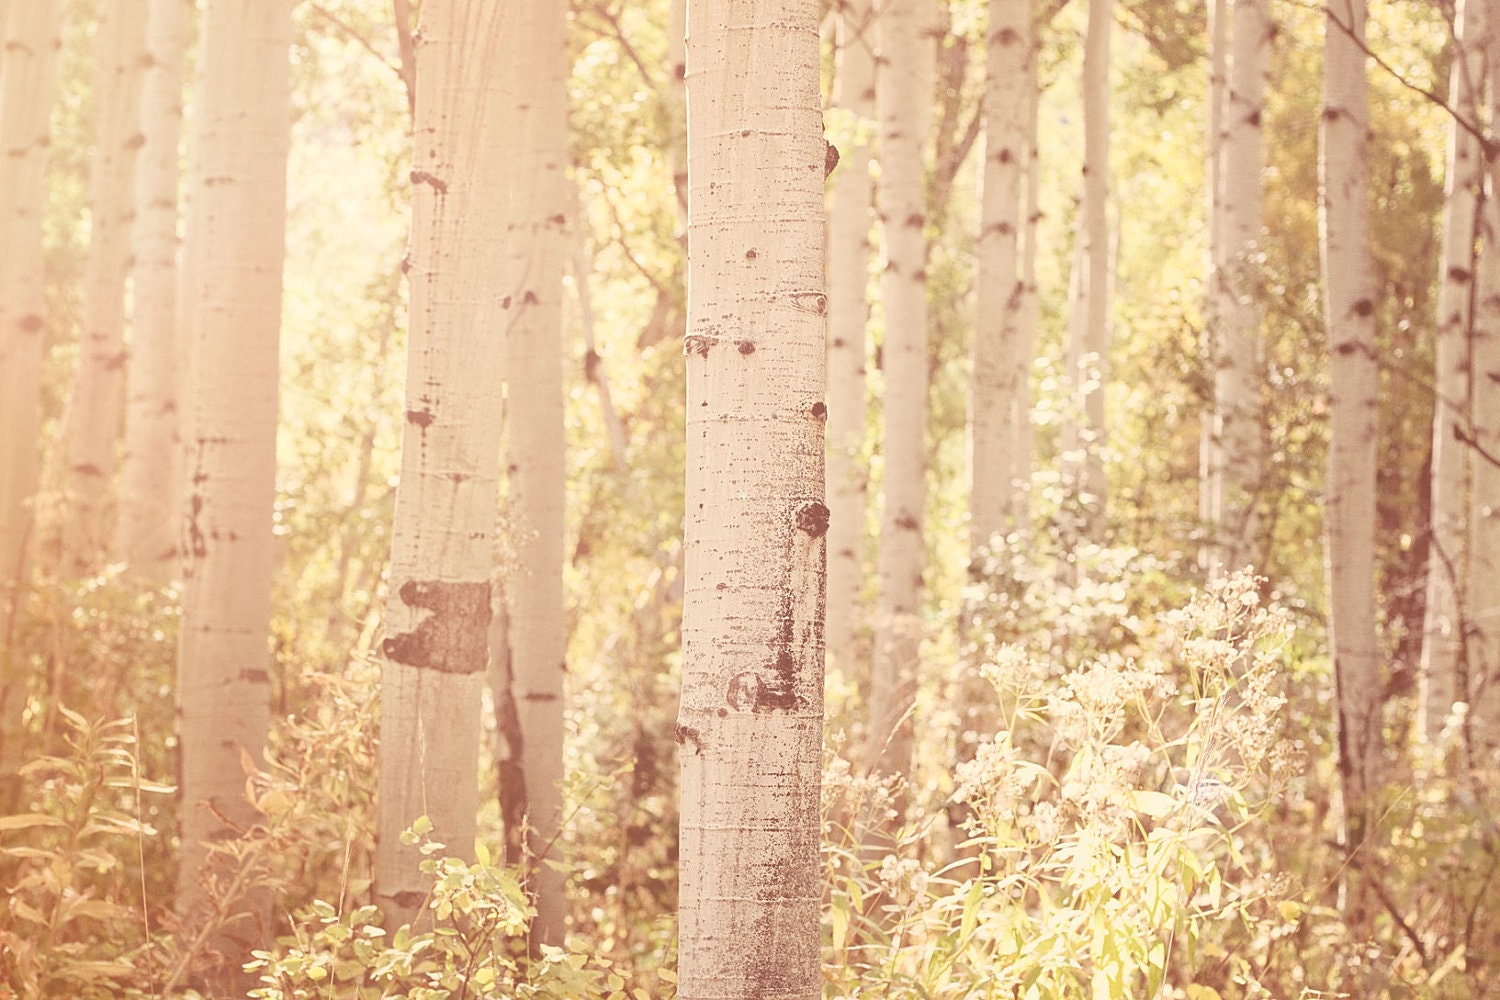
698, 343
751, 254
422, 418
819, 411
436, 183
744, 691
687, 734
830, 159
813, 302
452, 639
747, 347
812, 518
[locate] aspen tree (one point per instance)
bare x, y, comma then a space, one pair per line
1236, 446
1213, 141
1349, 294
243, 116
93, 417
538, 241
1482, 589
1088, 328
148, 525
28, 72
903, 96
749, 731
1000, 364
849, 251
1442, 624
442, 546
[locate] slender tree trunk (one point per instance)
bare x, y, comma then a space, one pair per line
150, 478
997, 502
223, 660
1482, 591
749, 731
94, 411
1237, 448
1443, 625
442, 548
538, 242
1088, 334
1209, 461
903, 94
1350, 305
28, 72
849, 250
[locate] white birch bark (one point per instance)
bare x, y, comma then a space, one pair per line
849, 251
1236, 447
147, 531
1088, 330
1350, 315
538, 240
1208, 453
28, 73
93, 418
749, 731
903, 91
997, 471
1447, 558
223, 657
438, 611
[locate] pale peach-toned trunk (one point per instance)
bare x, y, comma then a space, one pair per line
849, 250
538, 241
1088, 328
1349, 295
1443, 641
1213, 141
28, 72
91, 434
1236, 436
224, 662
749, 731
147, 533
903, 91
997, 469
442, 547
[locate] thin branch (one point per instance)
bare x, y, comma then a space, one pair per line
617, 31
345, 29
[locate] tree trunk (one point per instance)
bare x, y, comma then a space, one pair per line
95, 413
1088, 332
997, 501
1443, 625
223, 661
849, 251
1208, 452
28, 72
1350, 315
1236, 445
903, 94
750, 726
442, 547
148, 527
538, 242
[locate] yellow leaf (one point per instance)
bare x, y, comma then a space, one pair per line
1196, 992
22, 821
1154, 804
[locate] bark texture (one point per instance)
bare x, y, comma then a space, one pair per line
903, 95
147, 532
94, 413
849, 252
1443, 639
224, 656
1236, 443
442, 548
538, 241
749, 731
1350, 316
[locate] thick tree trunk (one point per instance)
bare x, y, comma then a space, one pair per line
94, 414
537, 243
28, 73
224, 661
442, 548
997, 471
1350, 315
1447, 558
849, 250
1236, 438
749, 732
903, 94
150, 478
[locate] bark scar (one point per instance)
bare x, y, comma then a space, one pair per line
453, 637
